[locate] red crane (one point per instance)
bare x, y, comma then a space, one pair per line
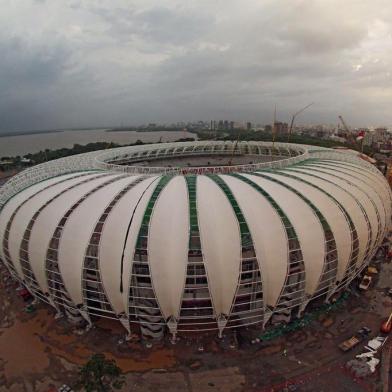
386, 326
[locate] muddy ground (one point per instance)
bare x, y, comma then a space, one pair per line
39, 353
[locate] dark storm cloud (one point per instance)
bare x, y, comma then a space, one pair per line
80, 63
25, 66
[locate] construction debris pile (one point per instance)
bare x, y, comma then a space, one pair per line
366, 363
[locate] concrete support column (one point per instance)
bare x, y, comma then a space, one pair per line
222, 322
172, 325
125, 323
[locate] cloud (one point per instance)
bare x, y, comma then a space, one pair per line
80, 63
25, 66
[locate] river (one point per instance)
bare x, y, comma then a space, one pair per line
31, 143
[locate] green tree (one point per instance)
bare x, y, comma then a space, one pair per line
100, 375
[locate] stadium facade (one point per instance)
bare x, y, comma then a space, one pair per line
161, 238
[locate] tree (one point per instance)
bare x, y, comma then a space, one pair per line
100, 375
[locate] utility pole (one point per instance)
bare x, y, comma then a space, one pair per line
274, 129
293, 118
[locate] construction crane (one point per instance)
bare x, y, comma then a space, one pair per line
349, 135
293, 118
386, 326
346, 128
274, 129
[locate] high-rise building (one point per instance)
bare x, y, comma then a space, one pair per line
380, 135
281, 128
368, 138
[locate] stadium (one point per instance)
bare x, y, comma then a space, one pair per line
193, 236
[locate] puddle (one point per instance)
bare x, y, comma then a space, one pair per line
27, 347
162, 358
22, 349
159, 359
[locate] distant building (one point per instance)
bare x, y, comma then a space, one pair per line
368, 139
248, 126
380, 135
223, 125
281, 128
385, 148
381, 140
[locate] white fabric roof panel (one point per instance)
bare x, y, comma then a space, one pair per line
356, 188
336, 219
375, 180
372, 175
371, 188
80, 226
130, 207
21, 197
168, 246
269, 239
220, 241
26, 212
48, 220
349, 197
306, 225
314, 253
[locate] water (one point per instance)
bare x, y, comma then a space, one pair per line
31, 143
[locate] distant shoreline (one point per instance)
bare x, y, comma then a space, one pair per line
24, 133
136, 129
30, 143
145, 130
38, 132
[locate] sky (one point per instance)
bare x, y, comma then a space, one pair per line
86, 63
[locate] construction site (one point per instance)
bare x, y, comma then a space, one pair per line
39, 353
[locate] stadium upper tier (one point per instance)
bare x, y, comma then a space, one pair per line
193, 236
